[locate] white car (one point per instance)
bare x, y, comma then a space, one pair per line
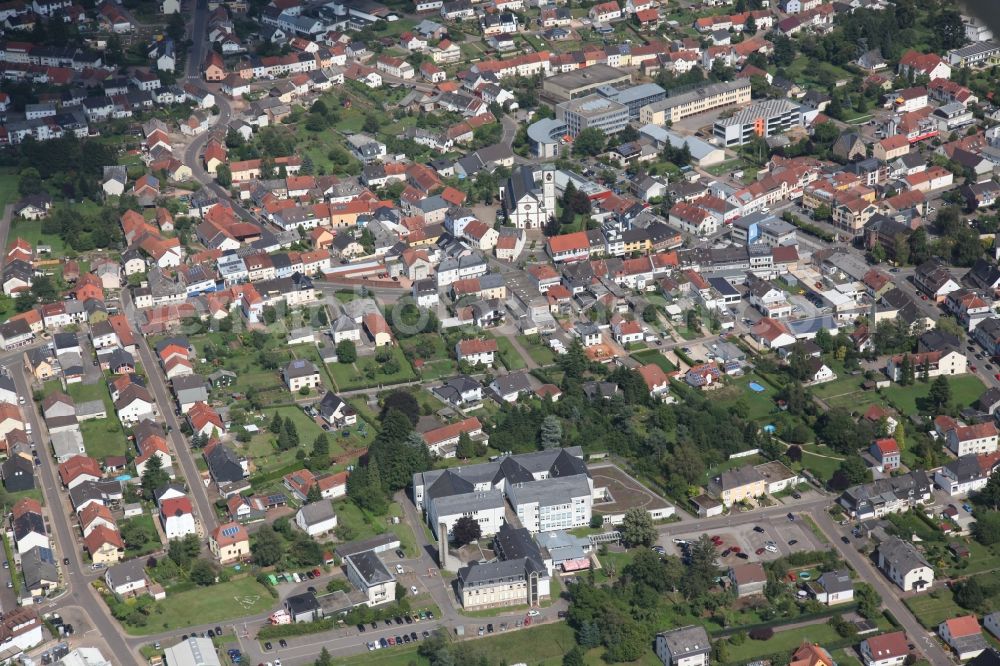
771, 549
534, 613
399, 568
413, 589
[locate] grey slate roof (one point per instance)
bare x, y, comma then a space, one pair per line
902, 555
686, 642
370, 567
317, 512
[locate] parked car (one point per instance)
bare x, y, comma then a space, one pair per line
759, 551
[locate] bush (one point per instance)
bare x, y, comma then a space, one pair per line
761, 634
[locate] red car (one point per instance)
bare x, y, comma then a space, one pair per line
390, 640
759, 551
716, 539
737, 549
317, 572
527, 621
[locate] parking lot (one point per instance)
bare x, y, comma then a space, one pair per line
787, 537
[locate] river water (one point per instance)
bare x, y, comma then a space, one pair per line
987, 10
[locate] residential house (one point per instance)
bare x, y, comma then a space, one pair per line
964, 636
229, 543
316, 518
748, 579
685, 646
904, 565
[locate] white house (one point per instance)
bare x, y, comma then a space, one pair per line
964, 636
367, 573
177, 516
885, 650
833, 587
686, 646
316, 518
904, 565
477, 352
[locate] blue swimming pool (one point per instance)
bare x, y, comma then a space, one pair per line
755, 387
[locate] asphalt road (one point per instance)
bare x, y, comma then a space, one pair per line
196, 54
158, 386
78, 575
922, 638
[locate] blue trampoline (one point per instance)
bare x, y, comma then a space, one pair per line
755, 387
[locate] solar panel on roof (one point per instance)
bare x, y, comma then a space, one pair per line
230, 531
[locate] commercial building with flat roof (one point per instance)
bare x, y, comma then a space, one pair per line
583, 81
594, 111
696, 100
634, 97
764, 118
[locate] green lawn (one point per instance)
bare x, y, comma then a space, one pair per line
540, 353
104, 437
350, 377
654, 356
267, 458
783, 641
509, 356
101, 437
81, 392
359, 524
965, 390
440, 369
8, 187
761, 405
821, 467
218, 603
149, 529
31, 231
543, 645
930, 611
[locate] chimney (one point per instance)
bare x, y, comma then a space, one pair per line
443, 545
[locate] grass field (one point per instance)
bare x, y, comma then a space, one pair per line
31, 231
817, 462
149, 529
930, 611
218, 603
8, 187
509, 356
965, 390
653, 356
363, 525
101, 437
539, 353
543, 646
267, 458
349, 377
783, 641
